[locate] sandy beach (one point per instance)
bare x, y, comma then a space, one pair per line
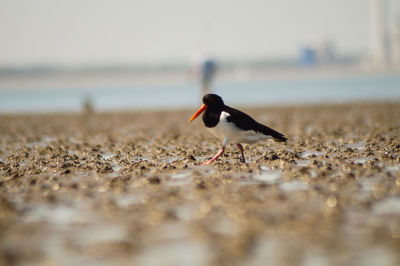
129, 189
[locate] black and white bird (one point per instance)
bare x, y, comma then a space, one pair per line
232, 125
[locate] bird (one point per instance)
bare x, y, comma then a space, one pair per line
232, 125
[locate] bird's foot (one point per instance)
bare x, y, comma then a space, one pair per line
210, 161
221, 151
241, 153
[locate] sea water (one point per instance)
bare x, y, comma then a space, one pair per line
186, 95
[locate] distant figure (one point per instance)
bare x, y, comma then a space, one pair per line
204, 69
87, 105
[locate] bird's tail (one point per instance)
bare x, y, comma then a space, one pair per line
280, 138
270, 132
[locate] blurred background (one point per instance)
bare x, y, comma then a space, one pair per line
98, 55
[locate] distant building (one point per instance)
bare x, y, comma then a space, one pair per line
394, 37
379, 54
317, 52
308, 56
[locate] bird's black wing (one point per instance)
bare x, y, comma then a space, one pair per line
246, 122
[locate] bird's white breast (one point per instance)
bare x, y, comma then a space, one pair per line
228, 132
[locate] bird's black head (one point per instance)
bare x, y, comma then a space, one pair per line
213, 101
212, 104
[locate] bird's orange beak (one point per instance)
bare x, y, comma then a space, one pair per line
202, 108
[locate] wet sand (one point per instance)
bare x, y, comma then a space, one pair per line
128, 189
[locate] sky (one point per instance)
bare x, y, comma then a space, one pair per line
103, 32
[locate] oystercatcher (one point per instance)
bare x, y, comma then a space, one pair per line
232, 125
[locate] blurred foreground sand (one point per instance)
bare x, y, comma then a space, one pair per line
128, 189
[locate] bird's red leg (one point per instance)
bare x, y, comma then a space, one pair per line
241, 151
221, 151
